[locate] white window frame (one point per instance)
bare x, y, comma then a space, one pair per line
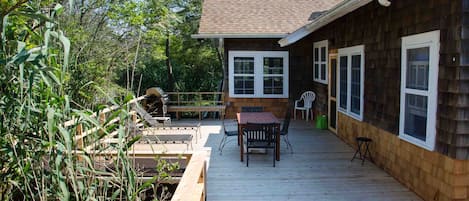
349, 52
431, 40
320, 45
258, 73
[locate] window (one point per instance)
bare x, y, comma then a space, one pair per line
320, 62
243, 75
273, 75
419, 78
351, 81
258, 74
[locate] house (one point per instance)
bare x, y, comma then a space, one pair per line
394, 71
249, 31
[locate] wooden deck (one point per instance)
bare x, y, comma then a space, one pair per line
319, 169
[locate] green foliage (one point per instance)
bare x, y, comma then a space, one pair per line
33, 104
53, 66
195, 64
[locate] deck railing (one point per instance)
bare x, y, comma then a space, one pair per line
191, 185
196, 98
196, 102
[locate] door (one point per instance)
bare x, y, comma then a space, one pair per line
332, 100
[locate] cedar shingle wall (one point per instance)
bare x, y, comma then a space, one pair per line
430, 174
276, 106
465, 36
301, 76
460, 142
380, 29
300, 79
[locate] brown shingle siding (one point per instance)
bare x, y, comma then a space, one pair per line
381, 29
465, 34
464, 73
275, 105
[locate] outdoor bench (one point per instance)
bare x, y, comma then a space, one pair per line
199, 109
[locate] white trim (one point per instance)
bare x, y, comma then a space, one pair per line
293, 37
431, 40
258, 73
319, 45
329, 16
349, 52
239, 35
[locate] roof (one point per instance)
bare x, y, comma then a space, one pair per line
325, 18
257, 18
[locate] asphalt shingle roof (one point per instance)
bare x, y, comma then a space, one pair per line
258, 16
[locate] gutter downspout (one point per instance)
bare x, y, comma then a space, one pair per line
221, 56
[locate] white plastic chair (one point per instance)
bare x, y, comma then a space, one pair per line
307, 98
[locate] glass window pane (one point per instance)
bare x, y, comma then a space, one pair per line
273, 65
355, 84
416, 116
343, 82
243, 85
417, 68
323, 54
323, 71
316, 54
273, 85
244, 65
316, 71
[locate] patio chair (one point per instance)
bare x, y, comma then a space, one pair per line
230, 128
146, 116
252, 109
170, 134
285, 125
307, 98
259, 136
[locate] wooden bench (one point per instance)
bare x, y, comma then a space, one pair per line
196, 102
199, 109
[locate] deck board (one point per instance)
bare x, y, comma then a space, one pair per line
319, 169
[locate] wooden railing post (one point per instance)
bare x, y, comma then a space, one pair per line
178, 98
134, 118
222, 98
200, 98
102, 120
80, 143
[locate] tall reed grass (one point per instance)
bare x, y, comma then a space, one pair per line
38, 156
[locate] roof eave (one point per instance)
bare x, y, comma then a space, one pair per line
334, 13
238, 35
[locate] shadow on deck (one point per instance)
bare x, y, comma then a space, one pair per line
319, 169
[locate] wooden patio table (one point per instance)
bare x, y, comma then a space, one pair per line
257, 117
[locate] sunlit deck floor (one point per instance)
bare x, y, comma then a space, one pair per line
318, 169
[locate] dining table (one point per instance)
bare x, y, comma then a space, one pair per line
257, 117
